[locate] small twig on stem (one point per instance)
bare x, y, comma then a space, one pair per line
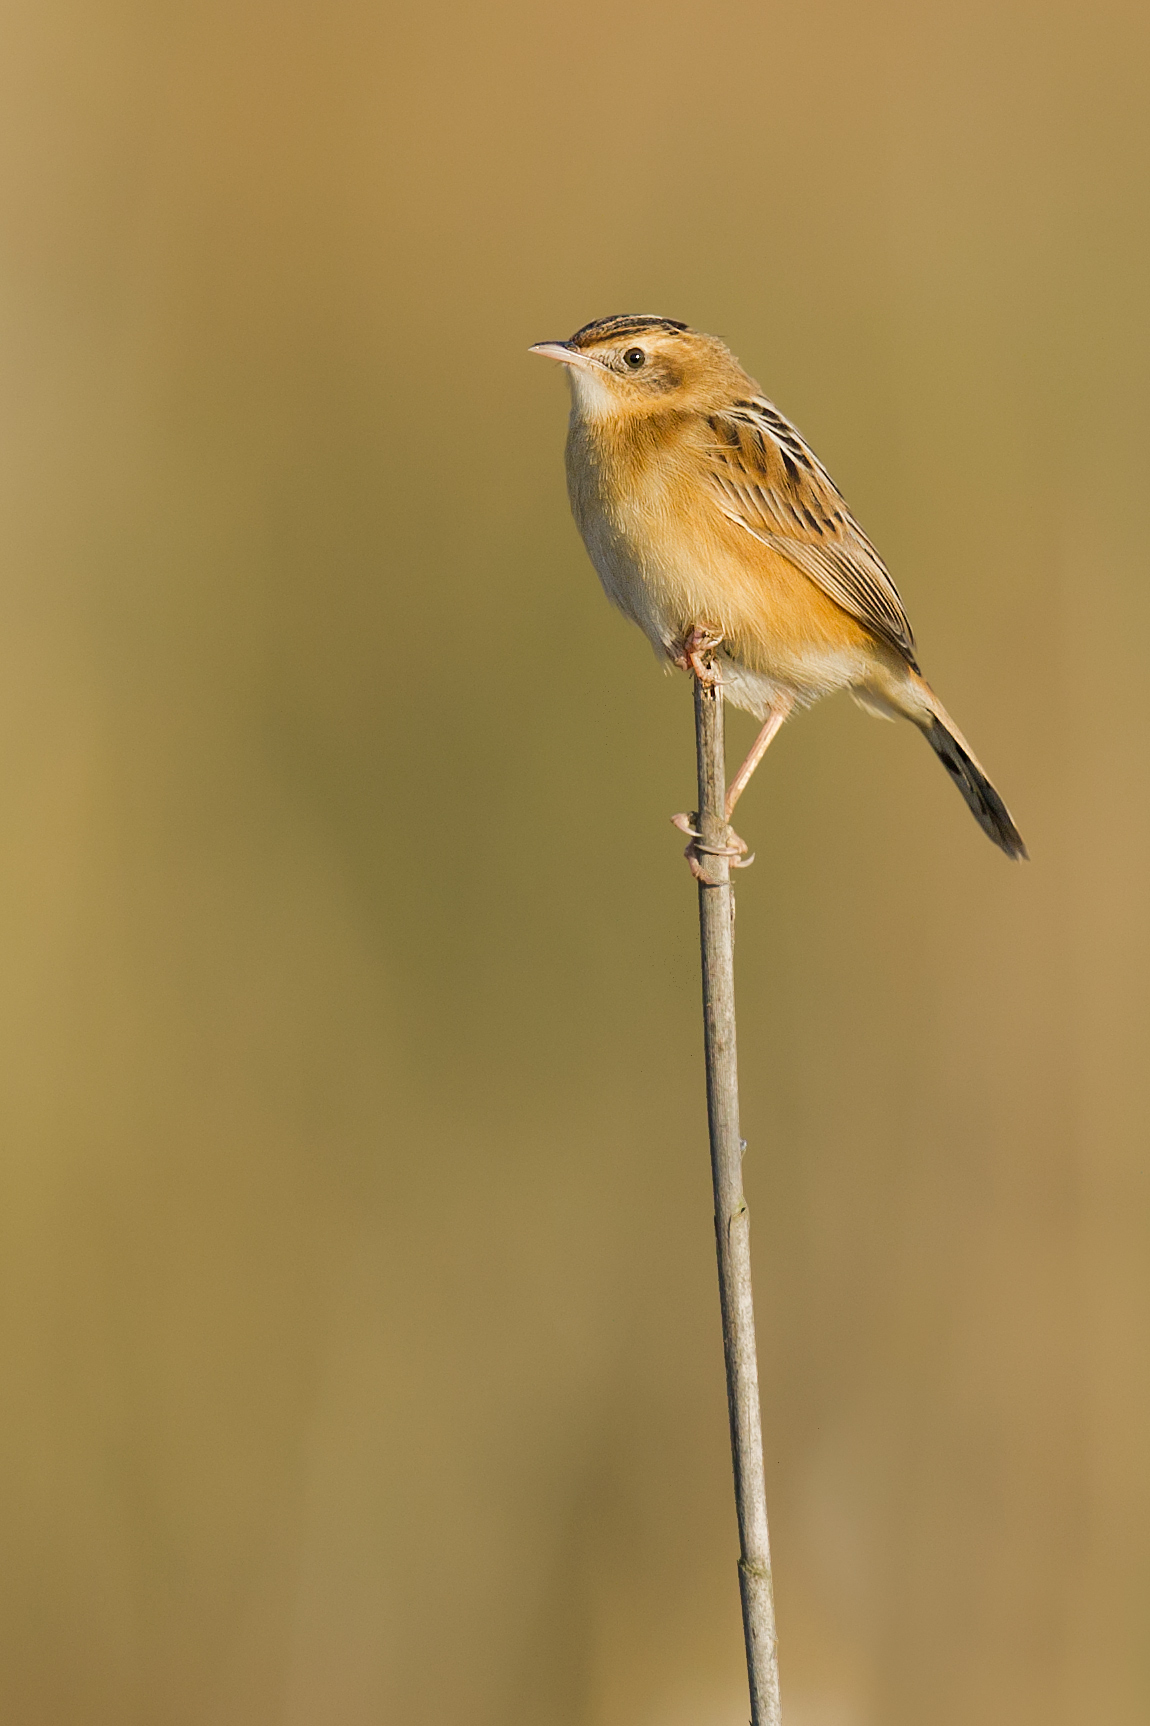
732, 1221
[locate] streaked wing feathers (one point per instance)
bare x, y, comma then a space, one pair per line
766, 479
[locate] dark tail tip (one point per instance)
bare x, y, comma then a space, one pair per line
982, 799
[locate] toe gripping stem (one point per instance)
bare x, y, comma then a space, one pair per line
698, 848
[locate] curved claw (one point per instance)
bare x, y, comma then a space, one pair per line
697, 870
734, 852
695, 649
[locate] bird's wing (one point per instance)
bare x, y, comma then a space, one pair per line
766, 479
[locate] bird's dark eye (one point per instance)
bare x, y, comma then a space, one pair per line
634, 357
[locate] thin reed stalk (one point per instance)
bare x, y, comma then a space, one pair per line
732, 1220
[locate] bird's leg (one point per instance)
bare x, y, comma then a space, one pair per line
694, 650
758, 749
735, 847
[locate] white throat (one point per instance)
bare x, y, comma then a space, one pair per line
590, 393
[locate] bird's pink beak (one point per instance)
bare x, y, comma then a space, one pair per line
563, 352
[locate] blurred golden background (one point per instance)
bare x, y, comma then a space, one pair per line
361, 1357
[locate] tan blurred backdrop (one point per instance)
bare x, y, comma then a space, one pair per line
360, 1344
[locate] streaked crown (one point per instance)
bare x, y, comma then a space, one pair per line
621, 325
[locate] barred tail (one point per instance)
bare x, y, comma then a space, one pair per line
983, 800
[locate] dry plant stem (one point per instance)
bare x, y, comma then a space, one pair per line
732, 1222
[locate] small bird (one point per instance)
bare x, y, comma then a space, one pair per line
714, 527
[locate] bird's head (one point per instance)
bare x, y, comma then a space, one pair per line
636, 365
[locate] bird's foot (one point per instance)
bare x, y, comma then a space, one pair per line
693, 653
733, 848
